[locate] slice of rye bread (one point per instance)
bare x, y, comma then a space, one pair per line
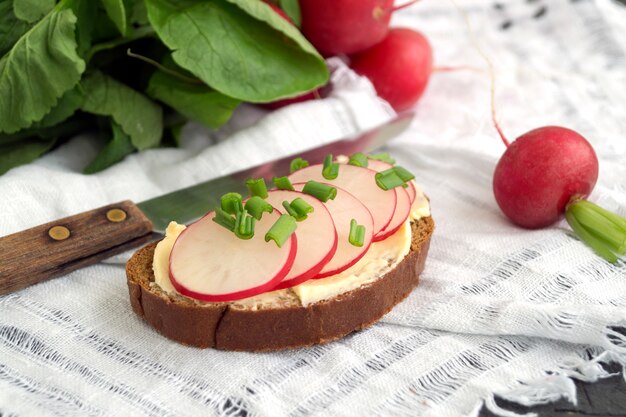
230, 326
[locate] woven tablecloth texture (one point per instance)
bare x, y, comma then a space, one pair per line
499, 309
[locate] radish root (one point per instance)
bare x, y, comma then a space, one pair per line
402, 6
492, 74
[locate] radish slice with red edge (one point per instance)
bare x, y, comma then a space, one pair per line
210, 263
343, 209
403, 209
411, 190
361, 183
317, 237
405, 198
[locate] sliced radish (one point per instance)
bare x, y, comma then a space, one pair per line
377, 165
343, 209
317, 238
210, 263
412, 191
403, 209
361, 183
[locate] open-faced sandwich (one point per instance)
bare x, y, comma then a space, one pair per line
328, 251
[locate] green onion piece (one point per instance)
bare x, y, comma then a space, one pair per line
244, 225
257, 187
384, 156
297, 164
357, 234
290, 211
388, 179
322, 192
328, 160
331, 169
256, 206
298, 209
231, 203
282, 183
403, 173
281, 230
358, 159
595, 244
224, 219
600, 226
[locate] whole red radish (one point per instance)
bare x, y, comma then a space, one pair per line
399, 67
541, 172
345, 26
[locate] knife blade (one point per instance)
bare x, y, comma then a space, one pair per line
61, 246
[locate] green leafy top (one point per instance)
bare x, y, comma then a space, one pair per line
64, 67
32, 10
139, 117
38, 70
240, 48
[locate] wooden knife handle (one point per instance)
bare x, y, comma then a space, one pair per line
61, 246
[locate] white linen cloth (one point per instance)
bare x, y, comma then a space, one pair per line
498, 310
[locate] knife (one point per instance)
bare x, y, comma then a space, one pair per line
61, 246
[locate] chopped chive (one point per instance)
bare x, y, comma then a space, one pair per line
384, 157
331, 172
302, 206
298, 209
257, 187
290, 211
331, 169
403, 173
322, 192
282, 183
231, 203
281, 230
244, 225
297, 163
595, 244
224, 219
358, 159
357, 234
256, 206
388, 179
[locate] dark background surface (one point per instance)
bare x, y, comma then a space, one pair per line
606, 398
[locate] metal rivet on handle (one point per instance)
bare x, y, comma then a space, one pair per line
116, 215
59, 232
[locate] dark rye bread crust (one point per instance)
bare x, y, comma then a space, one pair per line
223, 326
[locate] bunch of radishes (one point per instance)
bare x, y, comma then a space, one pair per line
544, 174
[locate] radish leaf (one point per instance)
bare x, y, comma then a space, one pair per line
32, 10
40, 68
117, 13
240, 48
292, 9
11, 28
194, 101
117, 149
23, 152
65, 108
139, 117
